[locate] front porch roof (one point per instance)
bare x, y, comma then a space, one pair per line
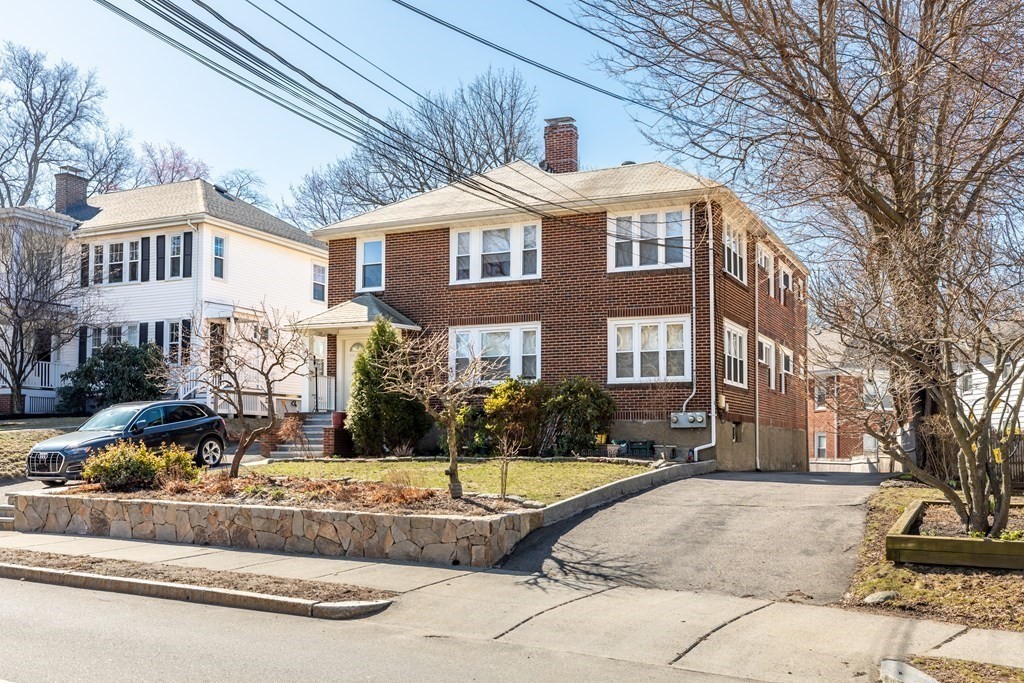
360, 311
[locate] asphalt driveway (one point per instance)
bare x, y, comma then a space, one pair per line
765, 535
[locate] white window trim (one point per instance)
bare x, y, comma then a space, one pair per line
128, 261
476, 249
214, 257
766, 262
817, 437
783, 373
662, 226
782, 288
740, 236
313, 282
770, 363
745, 333
515, 347
662, 322
181, 257
360, 242
176, 361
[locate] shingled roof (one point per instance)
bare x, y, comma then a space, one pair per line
186, 198
360, 311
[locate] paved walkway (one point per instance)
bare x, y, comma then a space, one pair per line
764, 535
686, 631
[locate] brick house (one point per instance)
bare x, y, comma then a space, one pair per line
660, 285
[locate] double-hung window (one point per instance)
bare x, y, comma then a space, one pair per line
370, 265
114, 334
735, 243
766, 357
115, 264
787, 366
132, 334
649, 350
174, 342
735, 348
511, 252
766, 263
785, 282
96, 339
648, 240
820, 394
97, 264
218, 257
820, 445
175, 258
503, 351
319, 282
134, 268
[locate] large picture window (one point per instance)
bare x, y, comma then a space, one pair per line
511, 252
506, 351
649, 350
649, 240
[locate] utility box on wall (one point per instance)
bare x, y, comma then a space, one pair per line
688, 420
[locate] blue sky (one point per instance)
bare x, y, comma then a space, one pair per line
160, 94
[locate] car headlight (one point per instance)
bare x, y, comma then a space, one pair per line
77, 451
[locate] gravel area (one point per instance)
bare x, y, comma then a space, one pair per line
253, 583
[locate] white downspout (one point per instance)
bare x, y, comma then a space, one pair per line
693, 318
712, 414
757, 361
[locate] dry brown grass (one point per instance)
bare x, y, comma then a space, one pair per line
947, 670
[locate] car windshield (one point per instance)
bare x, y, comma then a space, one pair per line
110, 420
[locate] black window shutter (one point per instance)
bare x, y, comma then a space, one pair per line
186, 256
186, 339
158, 336
143, 334
83, 344
85, 265
161, 254
145, 260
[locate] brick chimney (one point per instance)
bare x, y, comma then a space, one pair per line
71, 188
561, 145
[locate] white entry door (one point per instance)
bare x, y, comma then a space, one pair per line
350, 350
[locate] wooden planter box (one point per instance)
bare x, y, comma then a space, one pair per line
902, 546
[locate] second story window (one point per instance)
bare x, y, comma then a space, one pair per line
495, 254
175, 258
649, 240
319, 282
97, 264
735, 252
133, 261
787, 367
115, 268
766, 357
370, 264
218, 257
766, 264
785, 282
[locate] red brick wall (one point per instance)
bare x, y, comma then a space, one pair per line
841, 419
574, 300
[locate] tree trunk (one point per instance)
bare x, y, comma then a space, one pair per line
17, 399
236, 461
454, 484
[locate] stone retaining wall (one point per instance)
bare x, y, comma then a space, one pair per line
468, 541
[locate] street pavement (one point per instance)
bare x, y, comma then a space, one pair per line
448, 623
775, 536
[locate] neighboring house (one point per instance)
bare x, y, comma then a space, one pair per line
171, 260
612, 282
842, 398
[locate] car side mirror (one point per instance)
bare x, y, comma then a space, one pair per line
138, 427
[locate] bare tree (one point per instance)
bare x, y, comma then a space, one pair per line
42, 305
892, 133
169, 163
247, 185
447, 135
509, 445
419, 368
249, 355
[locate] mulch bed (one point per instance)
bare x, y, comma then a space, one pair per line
254, 583
942, 520
947, 670
320, 494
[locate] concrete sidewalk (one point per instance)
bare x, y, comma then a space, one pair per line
698, 632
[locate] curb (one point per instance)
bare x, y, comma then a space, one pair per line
219, 597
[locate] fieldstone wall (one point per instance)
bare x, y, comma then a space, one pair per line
468, 541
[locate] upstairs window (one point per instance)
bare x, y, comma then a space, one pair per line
97, 264
495, 254
115, 267
820, 394
766, 357
766, 264
507, 351
134, 268
785, 282
218, 257
735, 243
319, 282
175, 258
648, 350
735, 348
646, 241
370, 265
787, 367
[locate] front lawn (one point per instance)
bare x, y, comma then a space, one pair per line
14, 446
982, 598
546, 482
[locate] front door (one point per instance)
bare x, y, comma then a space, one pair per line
350, 350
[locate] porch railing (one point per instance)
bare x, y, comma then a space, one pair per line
42, 375
322, 392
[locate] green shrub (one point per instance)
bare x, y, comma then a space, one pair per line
116, 373
123, 466
178, 464
378, 420
518, 408
579, 410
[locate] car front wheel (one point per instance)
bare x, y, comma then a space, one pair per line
209, 453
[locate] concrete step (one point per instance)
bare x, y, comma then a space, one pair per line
6, 523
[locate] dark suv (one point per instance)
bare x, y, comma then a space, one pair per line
191, 425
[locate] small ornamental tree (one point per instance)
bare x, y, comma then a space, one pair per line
116, 373
381, 420
581, 409
517, 408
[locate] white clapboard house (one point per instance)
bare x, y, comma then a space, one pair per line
169, 258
